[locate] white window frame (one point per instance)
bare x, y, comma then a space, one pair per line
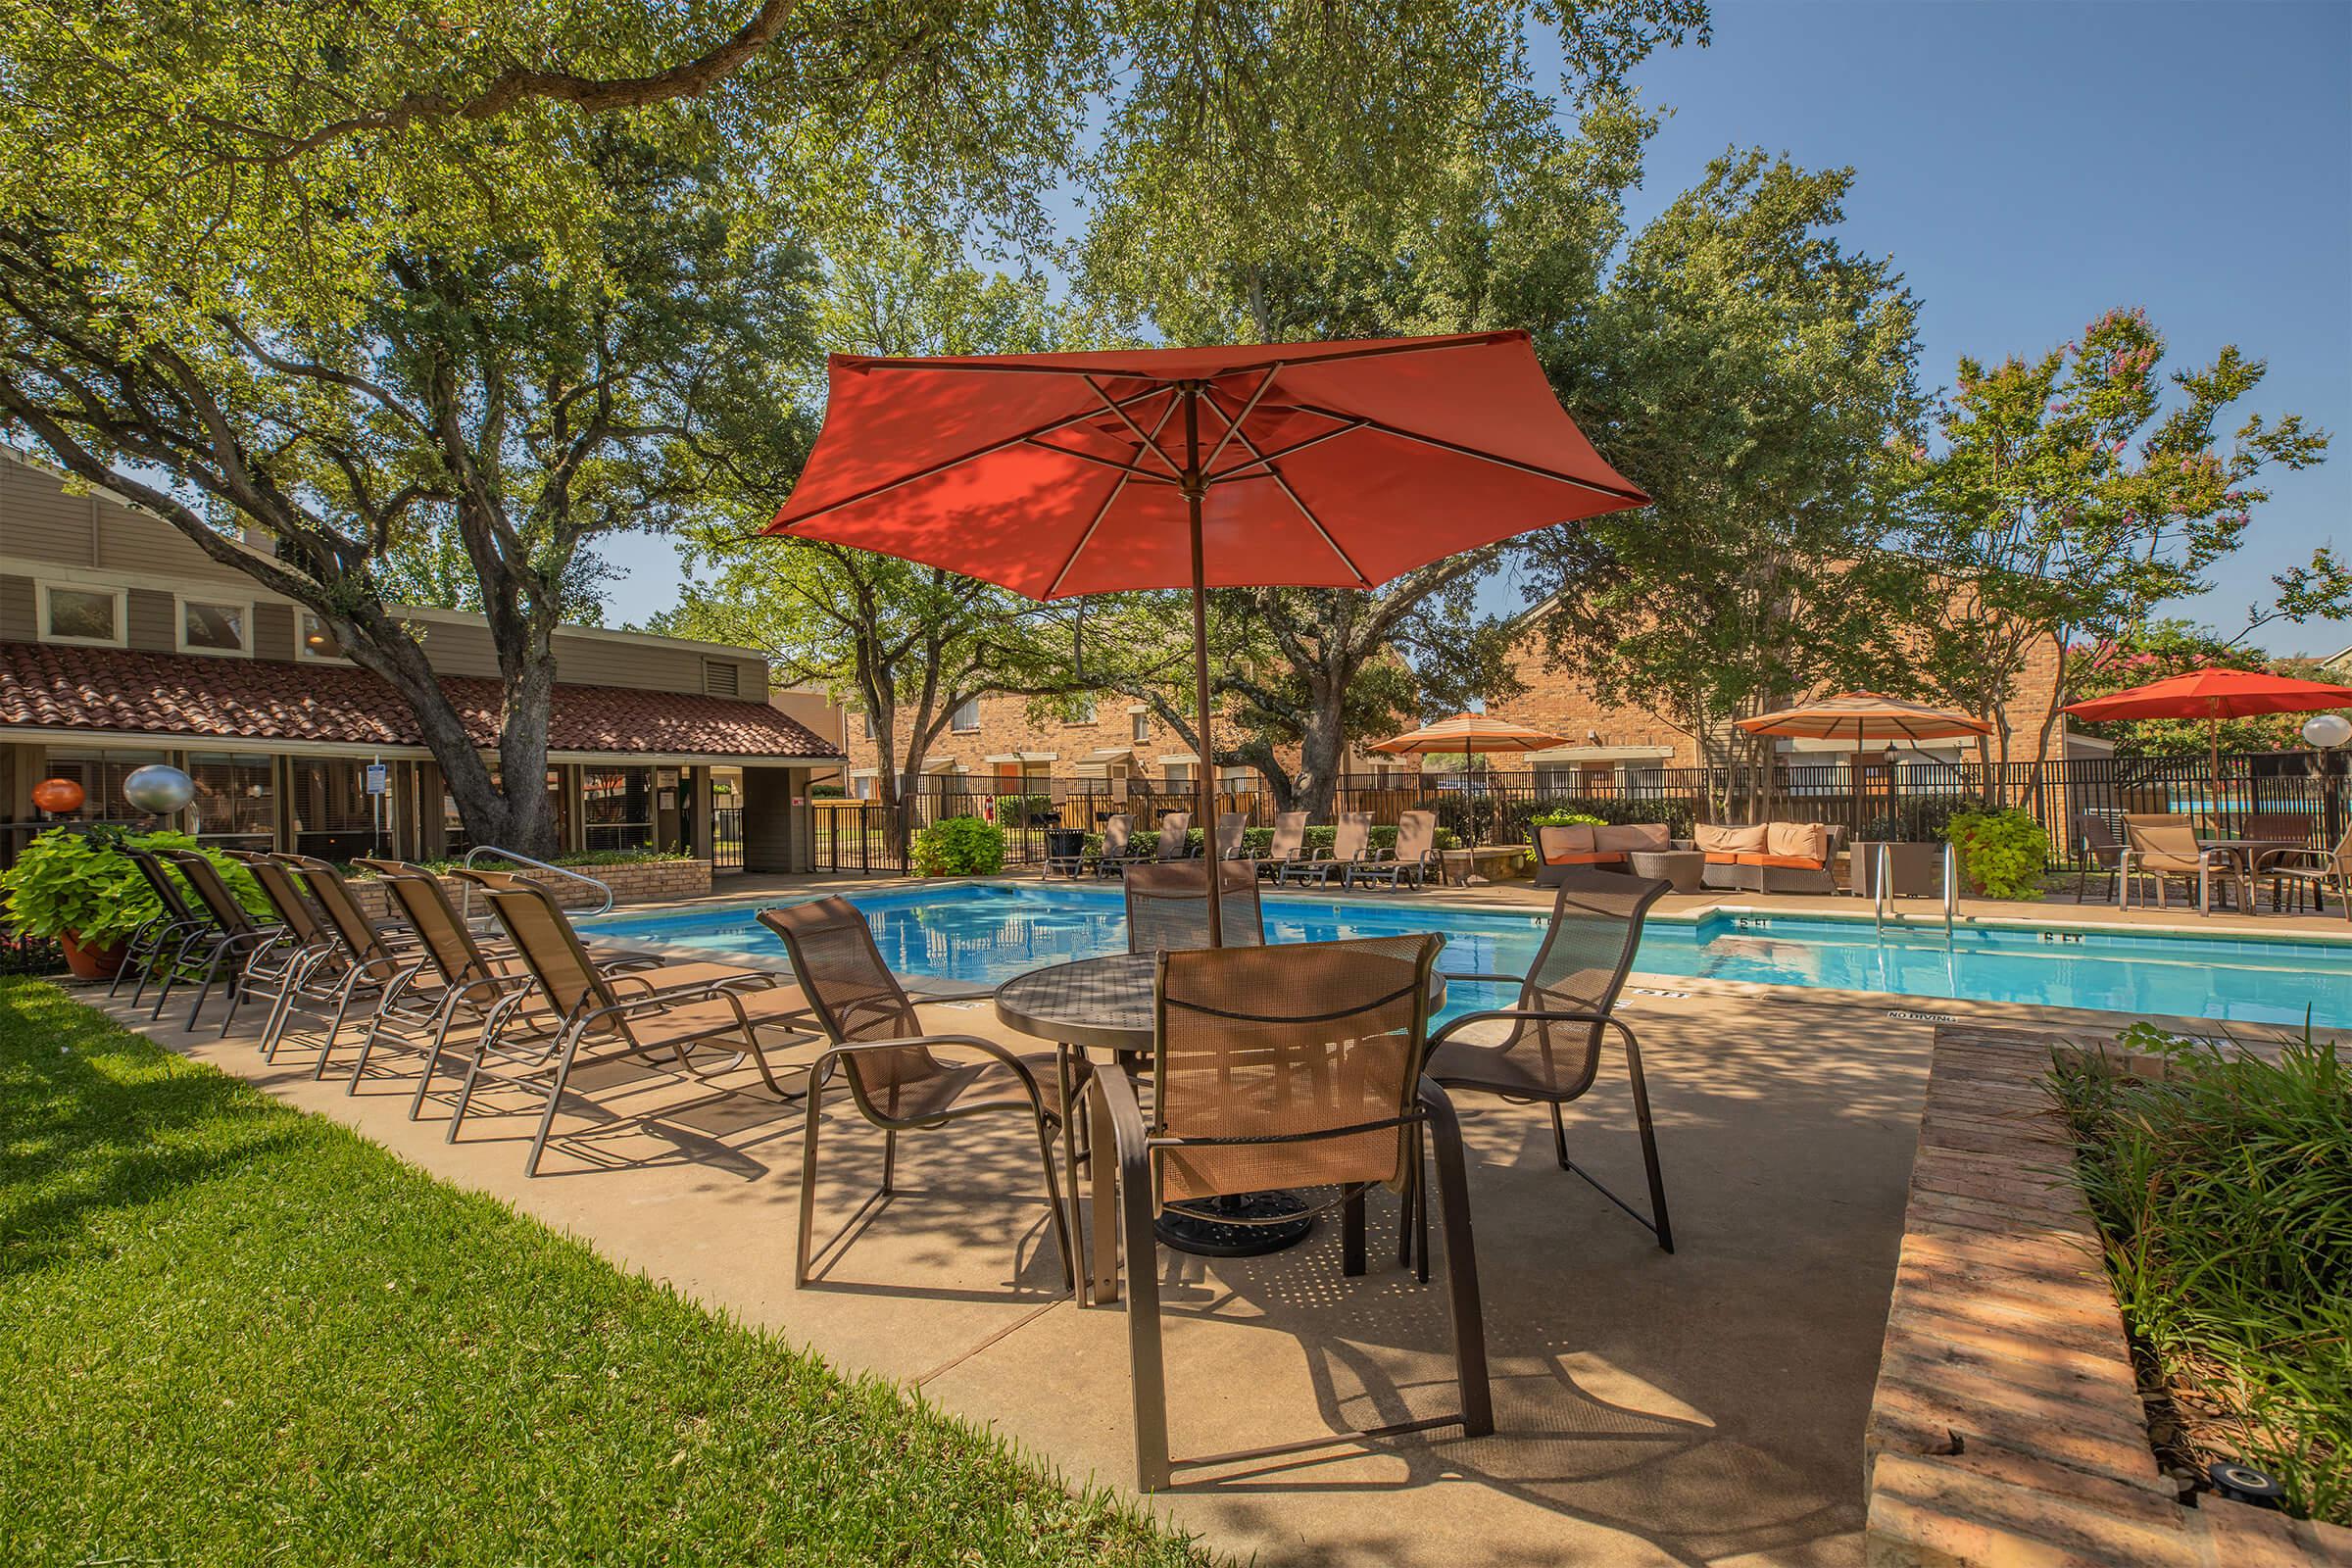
1139, 726
121, 595
955, 724
302, 644
179, 624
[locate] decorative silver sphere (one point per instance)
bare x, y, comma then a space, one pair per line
2325, 731
158, 790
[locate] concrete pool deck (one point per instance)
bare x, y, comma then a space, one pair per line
1706, 1407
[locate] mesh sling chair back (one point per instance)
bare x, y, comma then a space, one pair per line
2316, 871
898, 1079
1230, 827
1408, 861
163, 942
1167, 905
1350, 840
1550, 1038
1285, 1066
2164, 850
1175, 836
1288, 840
2100, 848
240, 937
624, 1014
1118, 847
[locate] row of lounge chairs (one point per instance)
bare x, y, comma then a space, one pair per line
1351, 856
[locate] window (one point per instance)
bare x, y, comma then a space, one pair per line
215, 626
234, 797
317, 640
1085, 710
76, 615
865, 726
1140, 726
966, 718
100, 775
1179, 776
617, 808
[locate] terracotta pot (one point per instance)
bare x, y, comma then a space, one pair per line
88, 963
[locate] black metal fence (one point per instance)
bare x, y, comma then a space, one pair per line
726, 838
1911, 802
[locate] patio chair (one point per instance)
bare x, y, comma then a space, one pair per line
1230, 825
1118, 848
2168, 851
1167, 905
1349, 842
1175, 837
2319, 872
898, 1080
159, 941
369, 956
2099, 849
1288, 842
467, 977
240, 938
1550, 1046
619, 1014
1296, 1065
308, 943
1415, 851
2292, 829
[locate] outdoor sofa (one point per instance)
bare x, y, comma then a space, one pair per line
1769, 856
1588, 847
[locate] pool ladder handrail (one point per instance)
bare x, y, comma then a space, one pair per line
465, 905
1881, 894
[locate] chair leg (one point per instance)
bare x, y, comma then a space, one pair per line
1461, 1264
890, 1161
1352, 1233
457, 1114
1659, 1222
1061, 1218
807, 1222
1559, 1139
1148, 1364
334, 1030
555, 1094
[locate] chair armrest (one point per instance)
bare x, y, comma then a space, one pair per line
1524, 1016
1450, 976
2324, 858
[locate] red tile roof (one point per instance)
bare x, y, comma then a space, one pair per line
124, 691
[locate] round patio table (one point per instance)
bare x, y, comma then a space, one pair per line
1104, 1006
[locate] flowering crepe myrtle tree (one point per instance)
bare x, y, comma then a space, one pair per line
2076, 492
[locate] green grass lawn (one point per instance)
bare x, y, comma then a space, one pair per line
238, 1334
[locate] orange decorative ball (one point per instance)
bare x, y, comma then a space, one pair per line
60, 795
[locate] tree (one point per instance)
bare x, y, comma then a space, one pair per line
2072, 497
482, 402
907, 644
1746, 371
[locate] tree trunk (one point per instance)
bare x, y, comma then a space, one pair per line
1322, 746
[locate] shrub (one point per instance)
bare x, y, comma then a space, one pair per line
1565, 819
1472, 814
2002, 854
77, 881
2218, 1187
1022, 811
959, 845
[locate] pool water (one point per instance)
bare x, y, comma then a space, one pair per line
983, 934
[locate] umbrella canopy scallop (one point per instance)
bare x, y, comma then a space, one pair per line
1860, 716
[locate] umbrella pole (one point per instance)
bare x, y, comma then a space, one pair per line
1205, 789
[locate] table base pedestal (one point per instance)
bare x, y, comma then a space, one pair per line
1204, 1238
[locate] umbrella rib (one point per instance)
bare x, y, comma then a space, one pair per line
1133, 469
997, 367
1233, 425
944, 463
1151, 442
1242, 469
1304, 509
1496, 458
1109, 501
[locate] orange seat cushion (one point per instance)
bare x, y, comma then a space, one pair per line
1723, 858
1797, 862
1586, 857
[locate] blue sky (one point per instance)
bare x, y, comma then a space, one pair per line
2029, 163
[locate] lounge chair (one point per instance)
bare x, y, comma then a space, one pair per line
161, 943
598, 1012
1175, 837
1286, 846
1230, 825
1349, 838
1296, 1065
898, 1080
2167, 851
279, 974
369, 955
1416, 850
2098, 851
1545, 1047
467, 977
1118, 848
1167, 905
241, 936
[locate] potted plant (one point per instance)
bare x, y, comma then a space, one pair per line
76, 888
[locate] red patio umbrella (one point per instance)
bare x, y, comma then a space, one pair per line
2213, 695
1303, 465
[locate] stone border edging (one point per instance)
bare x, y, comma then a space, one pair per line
2006, 1427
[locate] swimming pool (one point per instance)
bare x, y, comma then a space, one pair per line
983, 934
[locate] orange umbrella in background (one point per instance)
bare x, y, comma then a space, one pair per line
2213, 695
1469, 734
1863, 717
1302, 465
